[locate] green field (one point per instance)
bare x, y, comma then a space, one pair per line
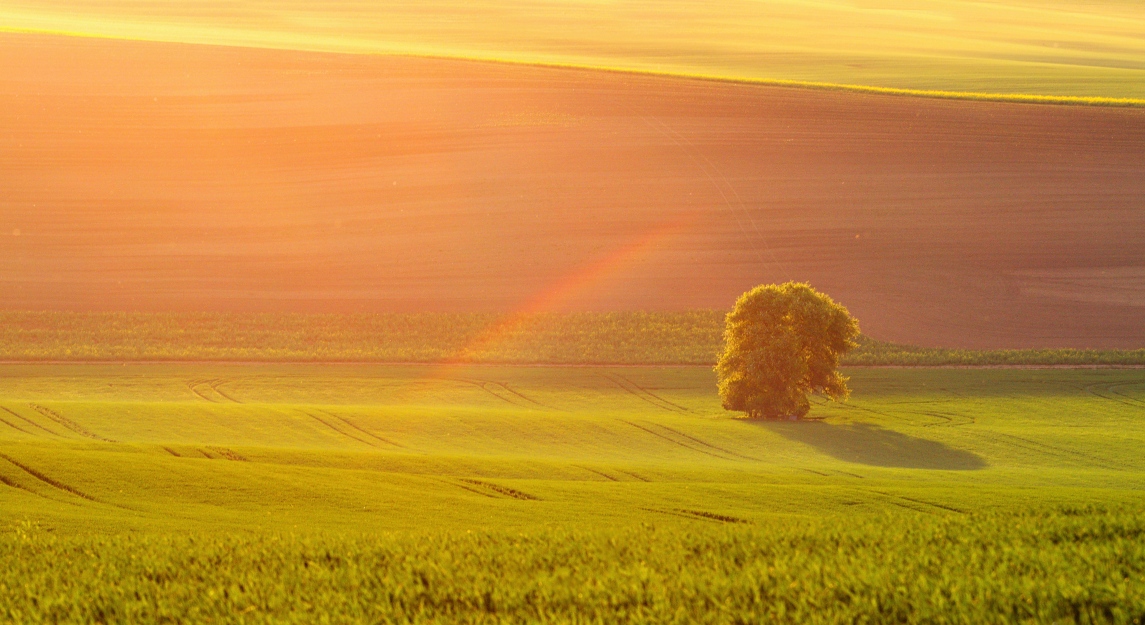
1079, 48
349, 492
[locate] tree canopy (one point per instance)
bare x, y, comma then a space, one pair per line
781, 343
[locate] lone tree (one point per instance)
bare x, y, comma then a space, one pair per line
783, 341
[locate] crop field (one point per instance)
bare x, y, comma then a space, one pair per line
406, 312
499, 493
172, 177
957, 47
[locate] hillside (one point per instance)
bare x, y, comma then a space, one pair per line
1059, 47
174, 177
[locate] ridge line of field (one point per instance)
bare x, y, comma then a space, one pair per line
973, 96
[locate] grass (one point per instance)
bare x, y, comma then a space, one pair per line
693, 337
487, 493
1062, 51
1064, 565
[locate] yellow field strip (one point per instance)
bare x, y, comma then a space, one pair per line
1023, 98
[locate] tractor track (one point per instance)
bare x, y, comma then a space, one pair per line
26, 419
49, 481
228, 454
654, 396
514, 391
13, 425
9, 483
194, 388
635, 475
1124, 400
706, 444
217, 386
922, 502
503, 490
484, 385
698, 515
1050, 450
466, 488
674, 441
645, 396
363, 430
68, 423
1110, 388
346, 434
600, 473
948, 420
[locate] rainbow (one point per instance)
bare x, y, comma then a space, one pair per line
575, 283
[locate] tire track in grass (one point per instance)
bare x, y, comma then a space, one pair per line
33, 423
698, 515
903, 416
363, 430
228, 454
1065, 452
705, 444
635, 393
9, 483
674, 441
1060, 453
652, 395
68, 423
14, 484
526, 397
514, 397
484, 385
600, 473
913, 508
504, 490
635, 475
347, 435
13, 425
172, 452
1110, 388
904, 502
193, 385
948, 420
217, 386
1124, 400
467, 488
723, 518
922, 502
49, 481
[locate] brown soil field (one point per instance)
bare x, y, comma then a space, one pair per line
145, 176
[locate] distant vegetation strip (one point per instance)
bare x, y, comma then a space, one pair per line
623, 338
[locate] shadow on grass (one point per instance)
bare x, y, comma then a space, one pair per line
872, 445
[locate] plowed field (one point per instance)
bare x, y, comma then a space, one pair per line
170, 176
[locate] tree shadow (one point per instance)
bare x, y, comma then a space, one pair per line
863, 443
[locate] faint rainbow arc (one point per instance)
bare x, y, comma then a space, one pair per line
572, 284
